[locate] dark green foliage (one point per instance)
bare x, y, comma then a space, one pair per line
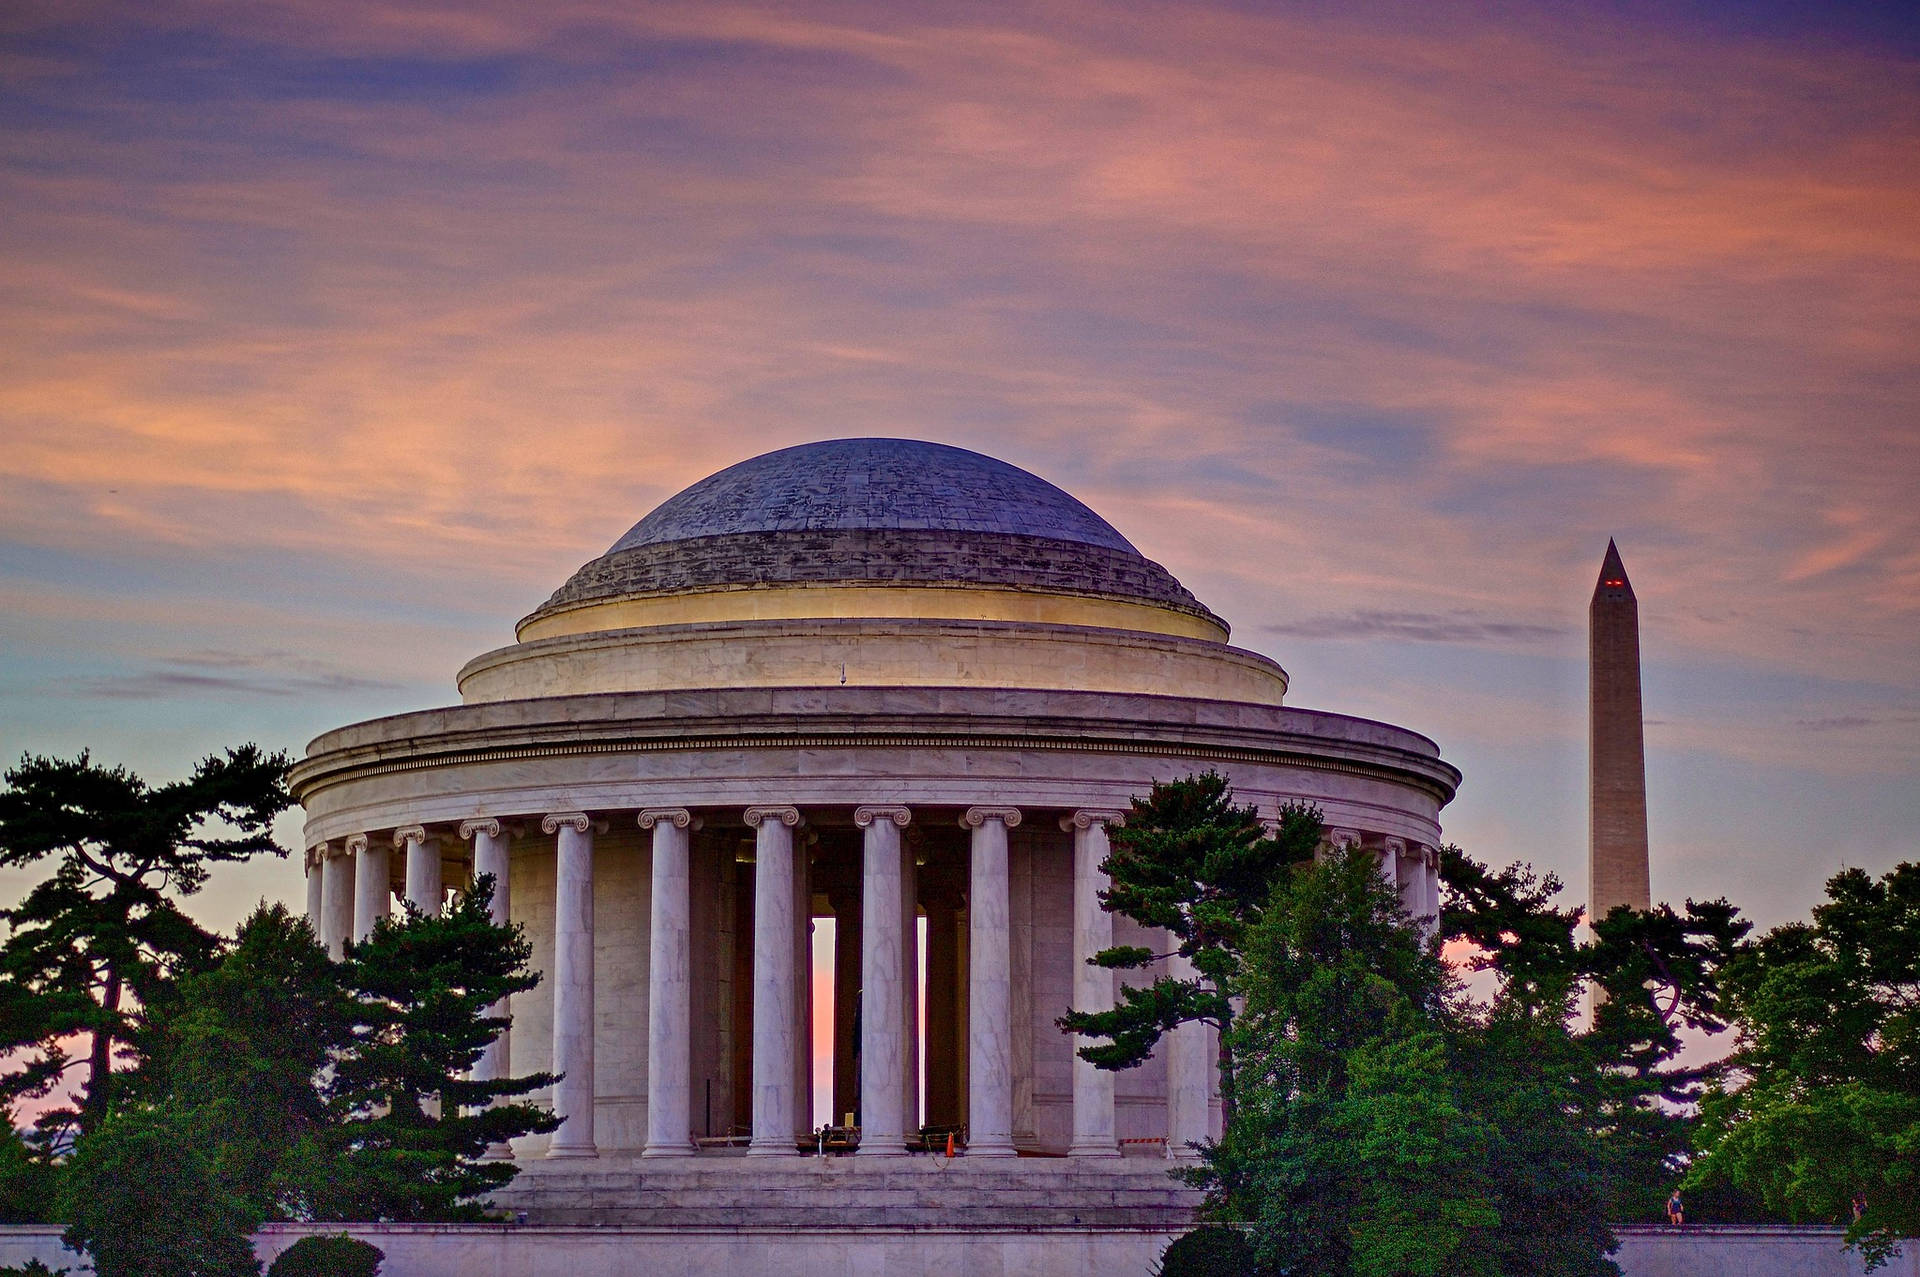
32, 1268
143, 1201
1189, 861
1209, 1251
414, 1125
324, 1090
328, 1256
102, 935
28, 1179
1387, 1125
1823, 1103
1657, 970
241, 1050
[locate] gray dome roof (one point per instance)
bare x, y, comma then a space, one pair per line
873, 483
877, 512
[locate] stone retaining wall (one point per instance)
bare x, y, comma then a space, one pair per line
462, 1250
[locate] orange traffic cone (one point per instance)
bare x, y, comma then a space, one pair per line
949, 1143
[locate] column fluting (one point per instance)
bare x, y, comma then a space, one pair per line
573, 1019
669, 987
883, 971
990, 1025
372, 887
423, 868
315, 863
490, 843
775, 1101
1093, 1120
336, 907
1188, 1064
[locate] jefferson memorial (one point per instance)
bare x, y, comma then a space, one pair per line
889, 689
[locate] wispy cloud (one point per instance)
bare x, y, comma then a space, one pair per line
1415, 627
226, 674
1372, 323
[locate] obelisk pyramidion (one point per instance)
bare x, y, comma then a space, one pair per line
1617, 775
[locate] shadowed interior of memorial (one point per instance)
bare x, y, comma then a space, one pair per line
800, 793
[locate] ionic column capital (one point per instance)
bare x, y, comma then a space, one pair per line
488, 825
317, 855
678, 817
974, 817
1397, 846
354, 845
409, 833
755, 816
1343, 837
578, 821
1088, 817
864, 816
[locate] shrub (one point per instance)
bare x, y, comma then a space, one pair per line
331, 1256
1208, 1252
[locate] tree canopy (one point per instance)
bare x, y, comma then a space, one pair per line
1656, 971
1191, 862
343, 1090
102, 935
1821, 1108
1387, 1124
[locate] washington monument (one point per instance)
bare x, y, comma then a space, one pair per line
1617, 778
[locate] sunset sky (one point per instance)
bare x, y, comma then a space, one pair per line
335, 335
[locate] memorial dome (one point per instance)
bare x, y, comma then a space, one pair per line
894, 484
872, 562
903, 514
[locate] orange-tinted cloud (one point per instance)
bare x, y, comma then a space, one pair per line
1395, 313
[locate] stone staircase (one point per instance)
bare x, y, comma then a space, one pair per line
721, 1191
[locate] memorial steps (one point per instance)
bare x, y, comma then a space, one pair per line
1136, 1192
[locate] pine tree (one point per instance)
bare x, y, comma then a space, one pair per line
1188, 861
1821, 1108
1389, 1125
103, 935
412, 1124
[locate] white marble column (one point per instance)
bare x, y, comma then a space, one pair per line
1188, 1070
1403, 875
803, 993
990, 1024
774, 986
910, 987
1093, 1122
490, 857
572, 983
316, 867
883, 972
423, 868
1430, 891
372, 888
336, 907
669, 987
